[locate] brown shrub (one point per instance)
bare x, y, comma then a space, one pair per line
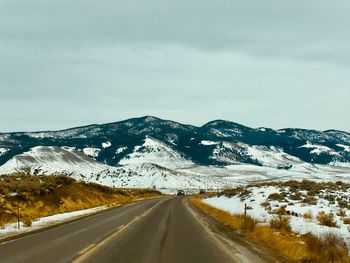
281, 222
296, 196
326, 219
280, 211
341, 213
311, 200
330, 198
276, 197
307, 216
327, 248
346, 220
266, 205
232, 192
343, 203
27, 221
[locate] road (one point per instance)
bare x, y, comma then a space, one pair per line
156, 230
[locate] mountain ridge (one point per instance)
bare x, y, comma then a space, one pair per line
134, 130
216, 147
168, 120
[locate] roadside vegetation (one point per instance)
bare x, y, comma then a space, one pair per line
275, 231
41, 196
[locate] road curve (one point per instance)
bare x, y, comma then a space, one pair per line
169, 233
66, 242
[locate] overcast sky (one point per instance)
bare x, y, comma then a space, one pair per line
271, 63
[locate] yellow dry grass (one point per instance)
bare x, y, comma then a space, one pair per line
291, 247
285, 244
48, 195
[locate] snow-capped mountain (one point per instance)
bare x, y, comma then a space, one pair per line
147, 151
51, 160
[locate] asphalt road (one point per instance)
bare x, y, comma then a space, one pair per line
166, 232
64, 243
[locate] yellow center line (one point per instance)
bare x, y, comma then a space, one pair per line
83, 251
120, 227
93, 249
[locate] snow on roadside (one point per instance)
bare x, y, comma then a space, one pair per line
300, 225
11, 228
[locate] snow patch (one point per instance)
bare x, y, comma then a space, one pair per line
270, 156
3, 151
53, 160
120, 150
106, 144
345, 147
156, 152
299, 224
208, 143
318, 149
92, 152
11, 229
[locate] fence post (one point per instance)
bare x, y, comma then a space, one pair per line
245, 216
18, 218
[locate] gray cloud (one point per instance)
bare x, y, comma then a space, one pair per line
263, 63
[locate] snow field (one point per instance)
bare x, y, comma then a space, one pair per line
12, 228
258, 199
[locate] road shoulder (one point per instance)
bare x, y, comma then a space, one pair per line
243, 250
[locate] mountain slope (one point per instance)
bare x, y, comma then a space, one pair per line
160, 150
154, 151
52, 160
117, 140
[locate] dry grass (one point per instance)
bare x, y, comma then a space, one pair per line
327, 248
307, 216
276, 197
235, 222
346, 220
279, 238
281, 223
326, 219
312, 188
341, 213
285, 244
40, 196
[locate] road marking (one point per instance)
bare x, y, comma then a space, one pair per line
122, 226
83, 251
118, 231
64, 223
